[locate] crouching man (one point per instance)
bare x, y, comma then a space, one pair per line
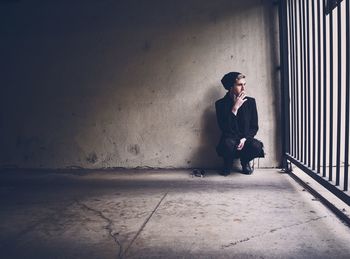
237, 117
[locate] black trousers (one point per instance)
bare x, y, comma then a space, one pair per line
227, 149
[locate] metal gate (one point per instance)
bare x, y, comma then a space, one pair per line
315, 47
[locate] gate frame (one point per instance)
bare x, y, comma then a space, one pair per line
287, 158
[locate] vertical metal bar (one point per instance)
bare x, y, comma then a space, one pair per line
295, 77
294, 36
319, 86
298, 88
314, 86
292, 74
347, 97
337, 172
307, 98
283, 29
302, 50
286, 81
324, 173
304, 84
330, 176
289, 60
297, 59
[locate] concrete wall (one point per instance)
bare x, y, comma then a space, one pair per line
99, 84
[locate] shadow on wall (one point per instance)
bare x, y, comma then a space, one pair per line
205, 155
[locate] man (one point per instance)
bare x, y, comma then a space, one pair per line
237, 117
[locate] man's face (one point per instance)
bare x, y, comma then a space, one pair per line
238, 87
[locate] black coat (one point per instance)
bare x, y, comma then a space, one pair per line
242, 125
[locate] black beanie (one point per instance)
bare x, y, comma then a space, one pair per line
229, 79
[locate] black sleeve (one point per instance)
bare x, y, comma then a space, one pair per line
253, 125
225, 118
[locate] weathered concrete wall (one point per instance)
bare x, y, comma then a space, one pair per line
130, 83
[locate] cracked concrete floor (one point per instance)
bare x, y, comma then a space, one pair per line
164, 214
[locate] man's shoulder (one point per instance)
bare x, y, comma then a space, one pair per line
221, 101
250, 100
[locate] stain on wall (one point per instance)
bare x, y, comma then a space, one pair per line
92, 158
98, 84
134, 149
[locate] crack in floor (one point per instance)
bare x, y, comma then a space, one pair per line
144, 223
270, 231
108, 227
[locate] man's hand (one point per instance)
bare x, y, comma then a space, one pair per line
239, 102
241, 144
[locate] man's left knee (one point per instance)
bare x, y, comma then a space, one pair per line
255, 146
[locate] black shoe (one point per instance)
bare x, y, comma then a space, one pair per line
246, 168
198, 173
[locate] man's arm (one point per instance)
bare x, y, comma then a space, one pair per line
253, 125
225, 118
